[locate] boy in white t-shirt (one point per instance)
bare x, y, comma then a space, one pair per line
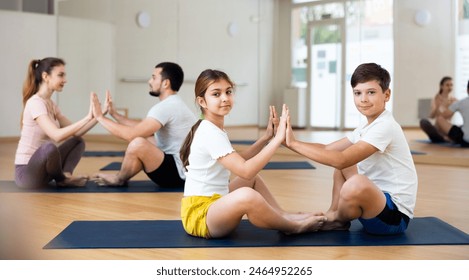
375, 178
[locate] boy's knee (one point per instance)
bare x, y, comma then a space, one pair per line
354, 186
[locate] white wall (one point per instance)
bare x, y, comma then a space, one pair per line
193, 33
90, 59
37, 39
422, 55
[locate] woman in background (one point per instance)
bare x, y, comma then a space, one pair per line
39, 157
440, 103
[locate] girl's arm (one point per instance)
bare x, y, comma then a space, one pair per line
255, 148
249, 168
339, 154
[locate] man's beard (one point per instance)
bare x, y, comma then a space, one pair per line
155, 93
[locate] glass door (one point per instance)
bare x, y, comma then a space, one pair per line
326, 74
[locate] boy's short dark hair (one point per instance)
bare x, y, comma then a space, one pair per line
371, 71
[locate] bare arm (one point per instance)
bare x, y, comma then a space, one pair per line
339, 154
66, 128
434, 107
109, 105
144, 128
447, 114
59, 134
247, 169
255, 148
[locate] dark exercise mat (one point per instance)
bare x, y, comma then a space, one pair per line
444, 144
242, 142
170, 234
103, 153
91, 187
417, 153
271, 165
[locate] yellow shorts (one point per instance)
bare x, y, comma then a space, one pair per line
194, 214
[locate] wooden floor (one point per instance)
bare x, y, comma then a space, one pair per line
30, 220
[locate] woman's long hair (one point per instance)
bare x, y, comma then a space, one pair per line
205, 79
34, 76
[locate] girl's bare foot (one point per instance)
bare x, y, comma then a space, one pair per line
311, 224
103, 179
299, 216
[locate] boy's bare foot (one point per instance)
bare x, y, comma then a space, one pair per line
103, 179
73, 181
336, 225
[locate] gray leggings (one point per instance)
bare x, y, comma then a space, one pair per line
49, 162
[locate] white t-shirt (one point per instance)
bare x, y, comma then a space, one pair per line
176, 120
462, 106
205, 175
391, 168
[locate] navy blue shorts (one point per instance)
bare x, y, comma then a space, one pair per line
167, 175
389, 221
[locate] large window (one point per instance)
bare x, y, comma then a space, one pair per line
317, 39
462, 50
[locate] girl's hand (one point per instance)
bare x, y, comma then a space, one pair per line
272, 124
282, 125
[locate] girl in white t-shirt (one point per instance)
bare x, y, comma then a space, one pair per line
374, 178
39, 159
212, 205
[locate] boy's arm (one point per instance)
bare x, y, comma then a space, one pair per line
332, 155
339, 154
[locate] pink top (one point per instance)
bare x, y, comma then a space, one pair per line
32, 136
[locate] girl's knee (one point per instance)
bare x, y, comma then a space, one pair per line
248, 196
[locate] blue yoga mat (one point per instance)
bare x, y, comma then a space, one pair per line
444, 144
91, 187
103, 153
271, 165
170, 234
242, 142
417, 153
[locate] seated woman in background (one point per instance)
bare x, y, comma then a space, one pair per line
458, 134
440, 103
39, 159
